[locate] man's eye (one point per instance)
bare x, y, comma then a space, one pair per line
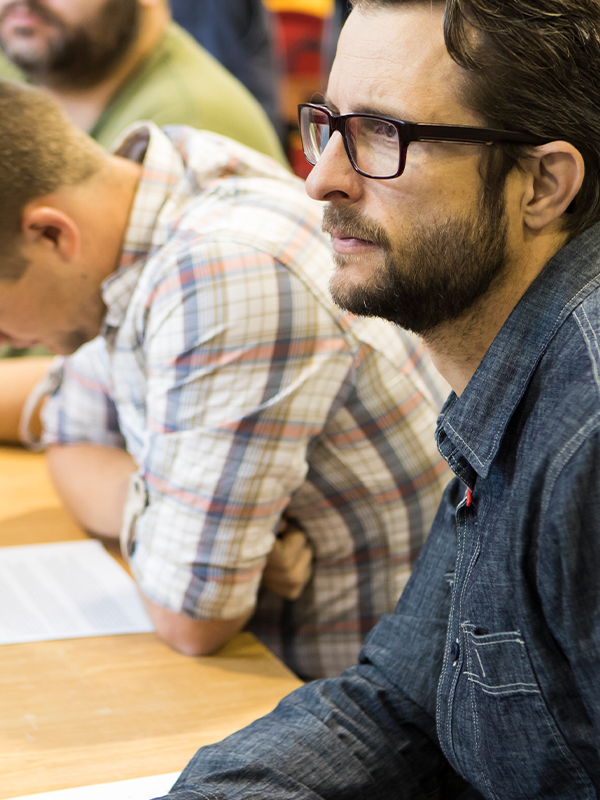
383, 129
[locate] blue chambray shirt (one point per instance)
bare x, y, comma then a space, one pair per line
490, 666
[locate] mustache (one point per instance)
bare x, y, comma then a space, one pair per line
35, 7
350, 223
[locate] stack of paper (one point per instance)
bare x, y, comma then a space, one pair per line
64, 591
136, 789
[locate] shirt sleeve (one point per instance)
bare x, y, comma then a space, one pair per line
567, 570
243, 365
368, 734
80, 407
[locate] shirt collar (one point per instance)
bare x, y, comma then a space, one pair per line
470, 427
163, 169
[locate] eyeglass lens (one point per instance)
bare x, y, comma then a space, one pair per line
314, 132
373, 144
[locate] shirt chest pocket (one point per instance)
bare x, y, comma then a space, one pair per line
520, 751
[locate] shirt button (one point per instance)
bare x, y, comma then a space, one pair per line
454, 651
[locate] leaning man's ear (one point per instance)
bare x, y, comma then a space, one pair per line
555, 173
51, 228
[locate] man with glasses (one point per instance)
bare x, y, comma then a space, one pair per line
458, 155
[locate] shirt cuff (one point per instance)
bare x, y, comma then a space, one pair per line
136, 502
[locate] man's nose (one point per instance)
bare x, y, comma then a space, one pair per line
333, 176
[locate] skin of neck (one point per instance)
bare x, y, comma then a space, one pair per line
120, 182
84, 106
458, 346
101, 207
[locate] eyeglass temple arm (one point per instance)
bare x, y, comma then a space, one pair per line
463, 134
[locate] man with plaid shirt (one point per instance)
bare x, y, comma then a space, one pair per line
227, 405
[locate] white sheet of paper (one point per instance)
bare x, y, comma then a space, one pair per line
66, 590
135, 789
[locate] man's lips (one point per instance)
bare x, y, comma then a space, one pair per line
346, 243
23, 18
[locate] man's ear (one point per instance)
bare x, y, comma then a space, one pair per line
51, 228
555, 172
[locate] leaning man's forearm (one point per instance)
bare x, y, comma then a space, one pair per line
190, 636
92, 482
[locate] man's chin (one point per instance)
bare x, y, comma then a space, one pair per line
347, 294
68, 344
358, 270
28, 58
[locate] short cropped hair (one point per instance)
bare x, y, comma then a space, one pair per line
534, 67
40, 151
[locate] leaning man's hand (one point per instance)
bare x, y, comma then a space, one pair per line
289, 564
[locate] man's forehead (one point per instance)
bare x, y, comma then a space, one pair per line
393, 61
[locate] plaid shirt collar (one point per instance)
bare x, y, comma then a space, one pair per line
163, 168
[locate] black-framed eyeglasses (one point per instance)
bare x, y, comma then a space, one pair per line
376, 146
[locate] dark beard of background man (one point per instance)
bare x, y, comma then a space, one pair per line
436, 274
78, 57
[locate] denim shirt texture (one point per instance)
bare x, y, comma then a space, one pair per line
489, 669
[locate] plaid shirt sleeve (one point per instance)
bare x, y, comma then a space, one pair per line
80, 407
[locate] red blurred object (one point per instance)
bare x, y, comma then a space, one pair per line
299, 44
303, 46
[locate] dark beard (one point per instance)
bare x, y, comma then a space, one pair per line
435, 276
80, 57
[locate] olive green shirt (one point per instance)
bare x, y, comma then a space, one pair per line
180, 83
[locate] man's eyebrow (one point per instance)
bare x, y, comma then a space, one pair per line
364, 109
331, 106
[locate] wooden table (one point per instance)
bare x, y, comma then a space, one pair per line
84, 711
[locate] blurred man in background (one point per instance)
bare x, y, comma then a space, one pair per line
113, 62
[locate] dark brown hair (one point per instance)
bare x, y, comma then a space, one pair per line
40, 151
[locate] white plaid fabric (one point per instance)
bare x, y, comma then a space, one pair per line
243, 394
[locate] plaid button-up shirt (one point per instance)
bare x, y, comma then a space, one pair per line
243, 394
